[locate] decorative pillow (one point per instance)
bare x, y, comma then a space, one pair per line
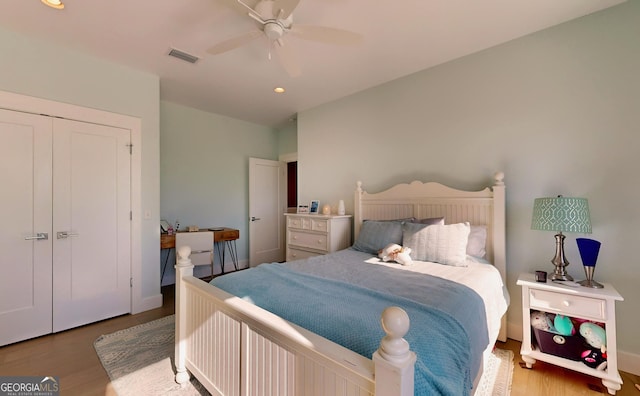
409, 219
374, 234
430, 221
477, 241
397, 253
444, 244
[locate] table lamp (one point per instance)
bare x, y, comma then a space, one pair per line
561, 214
589, 249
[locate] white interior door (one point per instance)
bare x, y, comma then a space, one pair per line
267, 204
91, 223
25, 210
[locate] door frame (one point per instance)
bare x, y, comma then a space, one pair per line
30, 104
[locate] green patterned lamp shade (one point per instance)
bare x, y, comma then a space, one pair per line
563, 214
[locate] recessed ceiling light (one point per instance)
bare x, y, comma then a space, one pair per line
57, 4
278, 90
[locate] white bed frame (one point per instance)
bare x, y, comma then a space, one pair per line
236, 348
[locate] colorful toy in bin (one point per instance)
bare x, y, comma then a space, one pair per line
563, 325
596, 337
540, 321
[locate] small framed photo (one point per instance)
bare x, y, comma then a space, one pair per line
315, 207
303, 208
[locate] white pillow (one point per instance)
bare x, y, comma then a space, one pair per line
476, 246
444, 244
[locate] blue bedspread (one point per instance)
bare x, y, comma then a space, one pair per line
447, 320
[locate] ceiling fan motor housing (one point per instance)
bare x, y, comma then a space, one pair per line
273, 30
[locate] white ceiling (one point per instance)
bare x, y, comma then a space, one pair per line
400, 37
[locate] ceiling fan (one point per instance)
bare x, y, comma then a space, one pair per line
275, 20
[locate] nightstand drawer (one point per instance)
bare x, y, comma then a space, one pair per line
567, 304
313, 241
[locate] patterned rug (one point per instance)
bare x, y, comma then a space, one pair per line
139, 361
498, 375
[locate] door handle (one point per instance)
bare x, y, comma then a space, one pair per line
65, 235
254, 218
38, 236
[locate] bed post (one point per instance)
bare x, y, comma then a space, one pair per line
499, 237
183, 268
393, 361
357, 210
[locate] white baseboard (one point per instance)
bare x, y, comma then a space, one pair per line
148, 303
514, 331
627, 361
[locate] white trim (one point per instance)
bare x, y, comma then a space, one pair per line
289, 157
30, 104
629, 362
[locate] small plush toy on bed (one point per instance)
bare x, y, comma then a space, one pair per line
397, 253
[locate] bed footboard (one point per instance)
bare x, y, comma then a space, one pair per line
236, 348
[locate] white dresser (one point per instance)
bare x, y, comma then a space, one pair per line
314, 234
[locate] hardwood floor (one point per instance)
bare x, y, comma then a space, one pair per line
549, 380
70, 356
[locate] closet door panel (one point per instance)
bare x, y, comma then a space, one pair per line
91, 264
25, 210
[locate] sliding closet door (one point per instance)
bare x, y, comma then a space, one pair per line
25, 232
91, 223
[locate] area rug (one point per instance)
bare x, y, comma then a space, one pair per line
139, 361
498, 374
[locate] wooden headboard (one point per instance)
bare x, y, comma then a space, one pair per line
425, 200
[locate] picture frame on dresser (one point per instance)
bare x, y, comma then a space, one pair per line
303, 209
314, 207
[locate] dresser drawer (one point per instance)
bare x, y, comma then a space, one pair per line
321, 225
309, 240
295, 254
302, 223
577, 306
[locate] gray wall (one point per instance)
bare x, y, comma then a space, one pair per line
557, 111
38, 69
205, 170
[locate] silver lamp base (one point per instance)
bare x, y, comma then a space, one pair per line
560, 276
560, 261
589, 282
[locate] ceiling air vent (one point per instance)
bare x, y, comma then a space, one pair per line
183, 56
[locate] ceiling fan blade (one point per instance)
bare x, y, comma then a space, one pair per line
238, 6
286, 7
326, 35
287, 58
234, 42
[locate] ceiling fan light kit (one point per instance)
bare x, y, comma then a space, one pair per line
275, 19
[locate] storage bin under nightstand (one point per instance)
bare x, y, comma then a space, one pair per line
568, 347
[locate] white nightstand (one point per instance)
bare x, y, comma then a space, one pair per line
314, 234
596, 305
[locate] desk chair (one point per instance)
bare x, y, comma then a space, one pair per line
201, 244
